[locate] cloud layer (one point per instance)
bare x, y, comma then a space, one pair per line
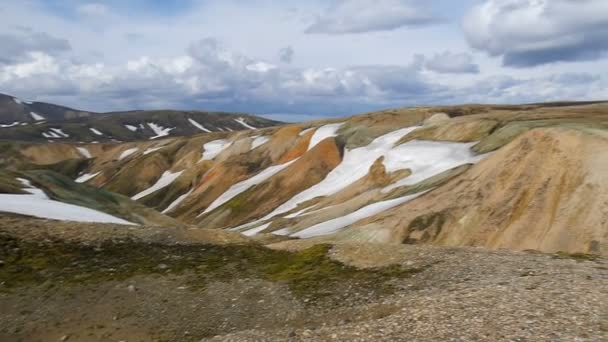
363, 56
358, 16
533, 32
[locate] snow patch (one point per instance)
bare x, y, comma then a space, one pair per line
32, 189
306, 131
95, 131
427, 158
355, 164
127, 153
165, 180
37, 117
215, 147
323, 133
17, 101
177, 202
151, 149
244, 124
37, 204
16, 123
332, 226
84, 152
159, 130
246, 184
131, 128
256, 230
60, 132
199, 126
86, 177
258, 141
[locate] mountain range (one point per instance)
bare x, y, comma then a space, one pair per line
44, 122
519, 177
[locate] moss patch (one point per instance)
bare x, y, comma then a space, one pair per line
309, 273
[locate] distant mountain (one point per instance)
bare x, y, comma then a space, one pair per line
39, 121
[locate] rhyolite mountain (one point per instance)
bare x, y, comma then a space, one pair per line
45, 122
517, 177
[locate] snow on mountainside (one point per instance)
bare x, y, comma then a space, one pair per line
463, 175
35, 121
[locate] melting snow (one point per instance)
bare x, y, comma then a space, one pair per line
131, 128
338, 223
151, 149
95, 131
50, 135
127, 153
213, 148
86, 177
37, 117
39, 205
246, 184
423, 158
16, 123
306, 131
198, 125
323, 133
159, 130
259, 141
426, 159
177, 202
242, 122
60, 132
355, 164
84, 152
256, 230
165, 180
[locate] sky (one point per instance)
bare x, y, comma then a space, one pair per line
296, 60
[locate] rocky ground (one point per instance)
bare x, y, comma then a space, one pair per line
87, 282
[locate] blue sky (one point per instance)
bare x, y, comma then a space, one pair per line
297, 59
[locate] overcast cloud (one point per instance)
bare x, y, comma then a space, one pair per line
309, 59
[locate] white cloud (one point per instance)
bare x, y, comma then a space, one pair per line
533, 32
451, 63
358, 16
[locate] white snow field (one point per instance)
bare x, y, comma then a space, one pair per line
84, 152
37, 204
199, 126
165, 180
86, 177
177, 202
151, 149
131, 128
334, 225
258, 141
159, 130
323, 133
95, 131
215, 147
244, 124
16, 123
37, 117
246, 184
127, 153
423, 158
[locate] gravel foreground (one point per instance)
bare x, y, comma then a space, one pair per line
444, 294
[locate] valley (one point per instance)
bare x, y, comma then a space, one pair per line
473, 222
